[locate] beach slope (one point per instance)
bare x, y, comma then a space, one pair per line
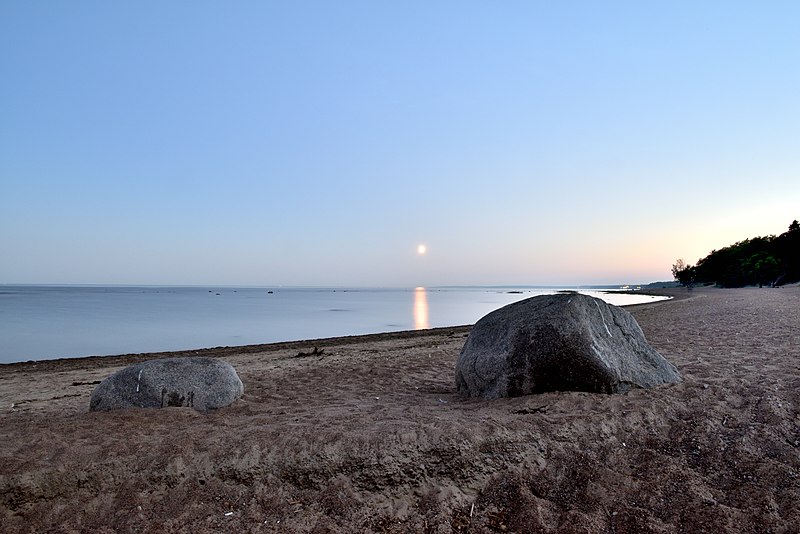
368, 434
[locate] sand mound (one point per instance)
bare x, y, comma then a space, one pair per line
370, 435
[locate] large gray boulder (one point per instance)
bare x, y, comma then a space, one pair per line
200, 383
564, 342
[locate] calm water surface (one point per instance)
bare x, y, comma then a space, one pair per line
44, 322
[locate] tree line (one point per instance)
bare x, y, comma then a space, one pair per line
771, 260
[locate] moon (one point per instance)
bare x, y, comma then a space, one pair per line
422, 249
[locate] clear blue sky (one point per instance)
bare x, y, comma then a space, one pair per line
319, 143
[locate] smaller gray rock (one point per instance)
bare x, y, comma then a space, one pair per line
200, 383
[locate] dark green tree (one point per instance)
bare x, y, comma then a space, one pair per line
761, 268
770, 260
683, 273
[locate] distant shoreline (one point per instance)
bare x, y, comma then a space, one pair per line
112, 360
56, 322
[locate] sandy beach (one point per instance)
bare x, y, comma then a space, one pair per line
370, 436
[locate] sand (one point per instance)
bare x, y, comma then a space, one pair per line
370, 435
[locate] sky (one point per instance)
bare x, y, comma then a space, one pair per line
320, 143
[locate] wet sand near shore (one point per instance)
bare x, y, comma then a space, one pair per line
371, 436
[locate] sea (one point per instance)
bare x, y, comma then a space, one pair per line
48, 322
